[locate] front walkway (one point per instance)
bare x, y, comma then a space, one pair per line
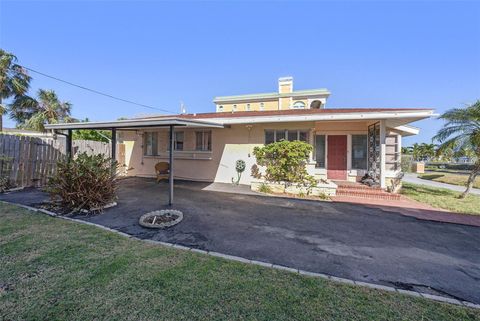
346, 240
413, 178
409, 207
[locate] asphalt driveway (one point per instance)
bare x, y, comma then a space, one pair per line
345, 240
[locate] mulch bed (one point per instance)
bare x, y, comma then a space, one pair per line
60, 209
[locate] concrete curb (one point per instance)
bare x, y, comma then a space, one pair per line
260, 263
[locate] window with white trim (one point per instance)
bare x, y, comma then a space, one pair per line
178, 141
298, 105
220, 108
272, 136
203, 140
179, 138
262, 106
248, 107
234, 107
150, 143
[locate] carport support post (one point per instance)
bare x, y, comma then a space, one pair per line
68, 145
170, 177
114, 145
383, 148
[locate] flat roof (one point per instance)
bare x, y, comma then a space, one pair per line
137, 123
293, 112
220, 120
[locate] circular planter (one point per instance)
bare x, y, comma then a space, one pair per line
161, 218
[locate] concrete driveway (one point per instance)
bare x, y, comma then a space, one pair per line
414, 179
345, 240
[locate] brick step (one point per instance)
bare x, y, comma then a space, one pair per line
368, 194
357, 186
361, 190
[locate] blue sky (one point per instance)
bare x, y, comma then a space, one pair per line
369, 54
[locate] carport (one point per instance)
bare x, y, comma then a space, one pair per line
66, 129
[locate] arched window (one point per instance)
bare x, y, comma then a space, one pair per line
316, 104
299, 105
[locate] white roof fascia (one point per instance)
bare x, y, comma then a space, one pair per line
323, 117
136, 123
407, 130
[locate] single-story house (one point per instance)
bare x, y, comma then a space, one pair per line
348, 142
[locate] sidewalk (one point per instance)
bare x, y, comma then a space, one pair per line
412, 178
409, 207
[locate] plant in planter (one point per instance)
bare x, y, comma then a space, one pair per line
84, 183
264, 188
284, 162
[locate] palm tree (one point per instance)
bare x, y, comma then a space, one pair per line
416, 151
427, 151
462, 131
406, 150
34, 113
447, 154
14, 80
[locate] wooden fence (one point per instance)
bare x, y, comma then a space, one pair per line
29, 161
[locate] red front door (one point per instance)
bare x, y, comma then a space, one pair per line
337, 157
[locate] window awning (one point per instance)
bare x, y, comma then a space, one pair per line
136, 123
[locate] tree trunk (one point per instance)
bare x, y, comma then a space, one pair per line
471, 179
1, 115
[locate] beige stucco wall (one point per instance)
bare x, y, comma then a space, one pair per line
286, 87
228, 146
254, 105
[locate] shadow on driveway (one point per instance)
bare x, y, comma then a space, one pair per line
345, 240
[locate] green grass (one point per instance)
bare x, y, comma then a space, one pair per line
61, 270
450, 178
442, 198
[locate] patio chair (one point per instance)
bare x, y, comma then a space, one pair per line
162, 169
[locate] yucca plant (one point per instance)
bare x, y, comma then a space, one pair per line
84, 183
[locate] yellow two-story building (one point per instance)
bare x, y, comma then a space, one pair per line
286, 98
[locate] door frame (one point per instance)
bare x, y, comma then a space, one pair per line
345, 170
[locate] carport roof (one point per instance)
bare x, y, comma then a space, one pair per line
136, 123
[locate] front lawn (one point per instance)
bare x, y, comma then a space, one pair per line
442, 198
450, 178
52, 269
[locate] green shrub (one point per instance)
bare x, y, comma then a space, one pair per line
459, 167
5, 170
4, 184
302, 194
284, 161
323, 196
264, 188
84, 183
